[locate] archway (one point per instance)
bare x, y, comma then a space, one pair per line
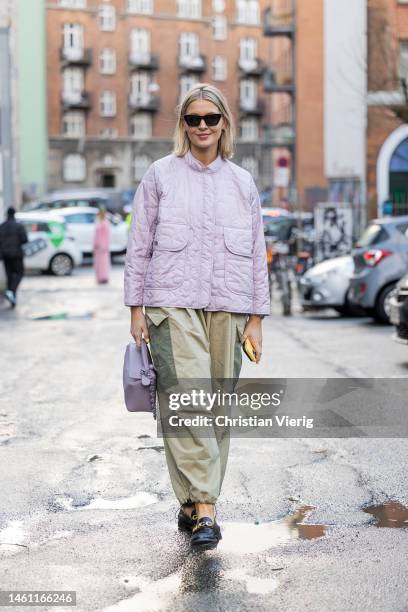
393, 151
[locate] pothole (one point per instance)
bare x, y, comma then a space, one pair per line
389, 514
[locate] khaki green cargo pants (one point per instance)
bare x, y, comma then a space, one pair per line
188, 343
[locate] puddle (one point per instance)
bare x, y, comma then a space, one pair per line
389, 514
152, 595
243, 538
12, 538
140, 499
126, 503
60, 316
253, 584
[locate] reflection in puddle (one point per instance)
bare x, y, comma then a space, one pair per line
253, 584
140, 499
152, 595
242, 538
12, 538
136, 501
389, 514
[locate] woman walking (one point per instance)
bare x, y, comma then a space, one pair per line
101, 247
196, 261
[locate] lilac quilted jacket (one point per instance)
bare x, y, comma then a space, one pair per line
196, 239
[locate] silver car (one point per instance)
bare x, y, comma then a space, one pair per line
380, 260
327, 284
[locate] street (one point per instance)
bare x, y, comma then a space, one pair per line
86, 499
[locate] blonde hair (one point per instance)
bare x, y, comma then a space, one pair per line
205, 91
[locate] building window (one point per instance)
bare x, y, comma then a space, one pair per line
248, 92
403, 60
218, 6
107, 103
107, 18
249, 129
219, 24
140, 42
189, 45
78, 4
107, 61
141, 6
189, 9
251, 164
73, 36
141, 125
141, 164
186, 82
219, 66
247, 49
247, 11
73, 124
73, 82
74, 168
108, 132
140, 85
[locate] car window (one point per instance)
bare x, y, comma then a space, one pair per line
80, 218
36, 226
373, 234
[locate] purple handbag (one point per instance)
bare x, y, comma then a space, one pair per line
139, 379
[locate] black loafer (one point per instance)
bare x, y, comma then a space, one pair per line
186, 522
206, 534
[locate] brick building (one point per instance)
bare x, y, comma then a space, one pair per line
117, 70
387, 130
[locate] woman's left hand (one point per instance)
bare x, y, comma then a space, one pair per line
253, 331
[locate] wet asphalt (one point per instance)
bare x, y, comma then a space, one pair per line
86, 503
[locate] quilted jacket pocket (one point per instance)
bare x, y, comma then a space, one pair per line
239, 267
166, 268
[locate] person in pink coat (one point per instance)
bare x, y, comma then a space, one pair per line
101, 247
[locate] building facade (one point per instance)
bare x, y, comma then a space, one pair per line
9, 167
118, 69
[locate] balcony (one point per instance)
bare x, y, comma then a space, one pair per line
74, 99
144, 102
251, 107
196, 64
76, 55
279, 19
278, 80
145, 61
251, 67
282, 135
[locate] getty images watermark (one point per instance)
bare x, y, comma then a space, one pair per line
291, 407
205, 401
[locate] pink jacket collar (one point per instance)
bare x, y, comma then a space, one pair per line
197, 165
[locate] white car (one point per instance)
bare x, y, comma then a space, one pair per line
49, 248
326, 285
80, 222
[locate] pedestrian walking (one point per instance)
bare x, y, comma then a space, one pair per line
12, 238
196, 262
101, 247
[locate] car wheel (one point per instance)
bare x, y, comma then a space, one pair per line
382, 305
61, 264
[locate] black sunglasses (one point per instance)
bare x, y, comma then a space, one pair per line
211, 120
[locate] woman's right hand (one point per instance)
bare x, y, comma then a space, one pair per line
138, 325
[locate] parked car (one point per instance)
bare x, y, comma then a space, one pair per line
399, 310
49, 247
111, 199
380, 260
81, 225
326, 285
